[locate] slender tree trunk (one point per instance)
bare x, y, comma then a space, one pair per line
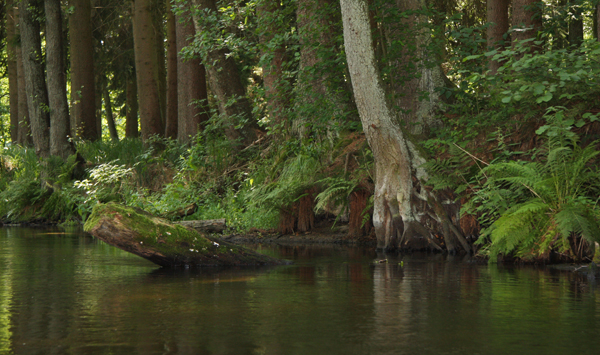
277, 88
191, 84
13, 82
401, 204
35, 83
497, 16
157, 11
131, 116
146, 68
110, 118
60, 125
226, 84
24, 132
171, 116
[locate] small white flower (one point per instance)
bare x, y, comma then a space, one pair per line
216, 244
141, 242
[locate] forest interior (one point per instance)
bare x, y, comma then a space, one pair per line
444, 125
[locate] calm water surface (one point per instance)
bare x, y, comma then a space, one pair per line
67, 293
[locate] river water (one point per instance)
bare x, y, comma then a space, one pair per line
67, 293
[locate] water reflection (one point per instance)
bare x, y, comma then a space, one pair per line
68, 293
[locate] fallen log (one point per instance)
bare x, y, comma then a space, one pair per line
208, 225
163, 243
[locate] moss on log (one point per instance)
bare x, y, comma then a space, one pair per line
163, 243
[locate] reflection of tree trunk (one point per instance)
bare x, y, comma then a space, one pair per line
60, 125
191, 84
13, 82
110, 118
171, 115
35, 80
402, 207
497, 16
83, 87
131, 116
226, 84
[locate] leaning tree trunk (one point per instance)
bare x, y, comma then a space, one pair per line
35, 81
402, 207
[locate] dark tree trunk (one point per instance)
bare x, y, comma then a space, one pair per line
277, 88
35, 82
497, 16
226, 84
526, 19
171, 116
131, 116
147, 69
13, 82
83, 87
24, 132
191, 84
60, 125
576, 27
110, 118
157, 11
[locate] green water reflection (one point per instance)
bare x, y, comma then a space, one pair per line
66, 293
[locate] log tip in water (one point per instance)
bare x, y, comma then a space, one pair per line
163, 243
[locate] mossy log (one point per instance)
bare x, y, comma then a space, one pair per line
163, 243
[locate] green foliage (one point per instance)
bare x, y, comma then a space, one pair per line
537, 206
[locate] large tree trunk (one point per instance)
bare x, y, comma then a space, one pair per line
147, 69
60, 125
165, 244
576, 26
191, 83
83, 87
226, 84
171, 109
415, 75
497, 16
35, 82
13, 82
526, 20
402, 206
322, 91
24, 129
277, 88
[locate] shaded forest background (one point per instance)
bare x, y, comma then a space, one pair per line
252, 111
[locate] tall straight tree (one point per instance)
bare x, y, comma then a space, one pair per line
35, 83
60, 126
83, 88
24, 126
192, 93
526, 19
13, 83
497, 17
225, 82
147, 69
171, 109
131, 109
402, 207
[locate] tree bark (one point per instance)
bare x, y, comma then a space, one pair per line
83, 87
277, 88
526, 20
110, 118
575, 37
131, 115
226, 84
497, 17
146, 68
413, 81
23, 130
13, 82
35, 82
402, 209
171, 115
191, 83
60, 125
